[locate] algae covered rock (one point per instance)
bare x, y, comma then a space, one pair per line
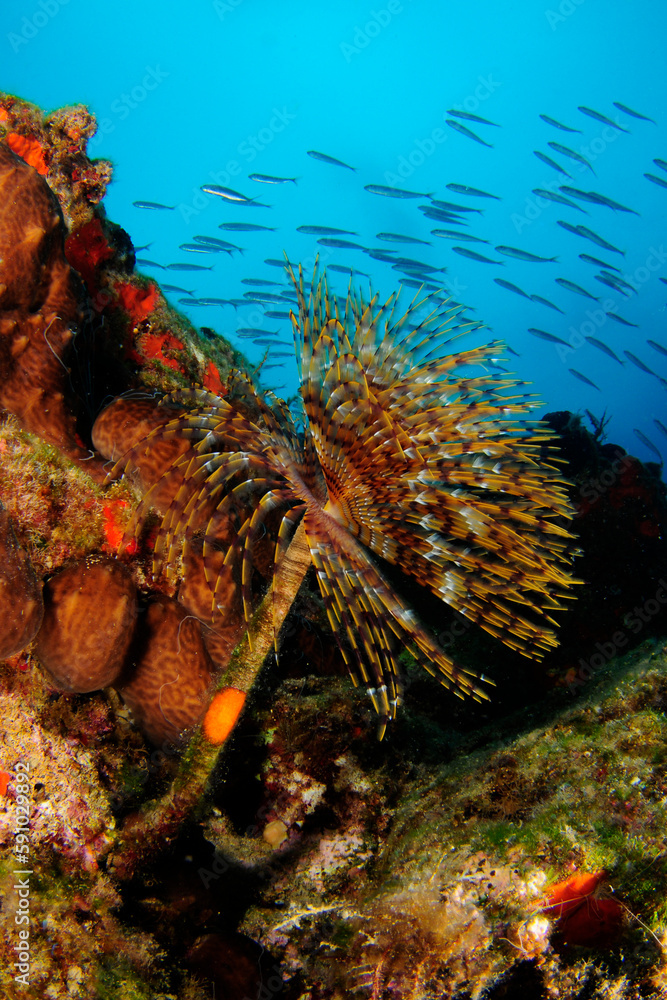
90, 613
21, 605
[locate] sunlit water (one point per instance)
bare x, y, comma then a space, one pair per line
210, 92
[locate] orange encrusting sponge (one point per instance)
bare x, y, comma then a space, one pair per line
222, 714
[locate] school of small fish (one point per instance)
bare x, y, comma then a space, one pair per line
451, 221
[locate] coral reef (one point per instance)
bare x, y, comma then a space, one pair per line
21, 604
535, 863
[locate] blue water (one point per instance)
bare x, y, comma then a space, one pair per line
210, 92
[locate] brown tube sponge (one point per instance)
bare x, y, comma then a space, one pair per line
168, 677
21, 605
89, 618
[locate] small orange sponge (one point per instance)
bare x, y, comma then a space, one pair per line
223, 714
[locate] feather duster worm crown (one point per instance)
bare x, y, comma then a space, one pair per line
407, 453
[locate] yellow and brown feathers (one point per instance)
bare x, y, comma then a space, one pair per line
407, 453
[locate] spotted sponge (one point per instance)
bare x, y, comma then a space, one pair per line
89, 619
167, 682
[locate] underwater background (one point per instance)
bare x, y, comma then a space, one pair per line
184, 758
212, 92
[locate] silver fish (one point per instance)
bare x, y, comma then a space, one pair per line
331, 160
639, 364
213, 241
176, 288
661, 163
153, 205
550, 163
472, 255
566, 151
601, 346
551, 337
203, 248
588, 234
569, 227
598, 199
263, 297
188, 267
657, 347
648, 444
245, 227
608, 280
224, 192
583, 378
142, 262
597, 262
467, 116
563, 128
438, 215
454, 234
660, 181
268, 179
620, 281
329, 241
346, 270
558, 198
458, 127
633, 114
325, 231
253, 331
524, 255
474, 192
277, 314
601, 118
511, 288
452, 206
619, 319
659, 424
572, 287
260, 281
398, 238
545, 302
392, 192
